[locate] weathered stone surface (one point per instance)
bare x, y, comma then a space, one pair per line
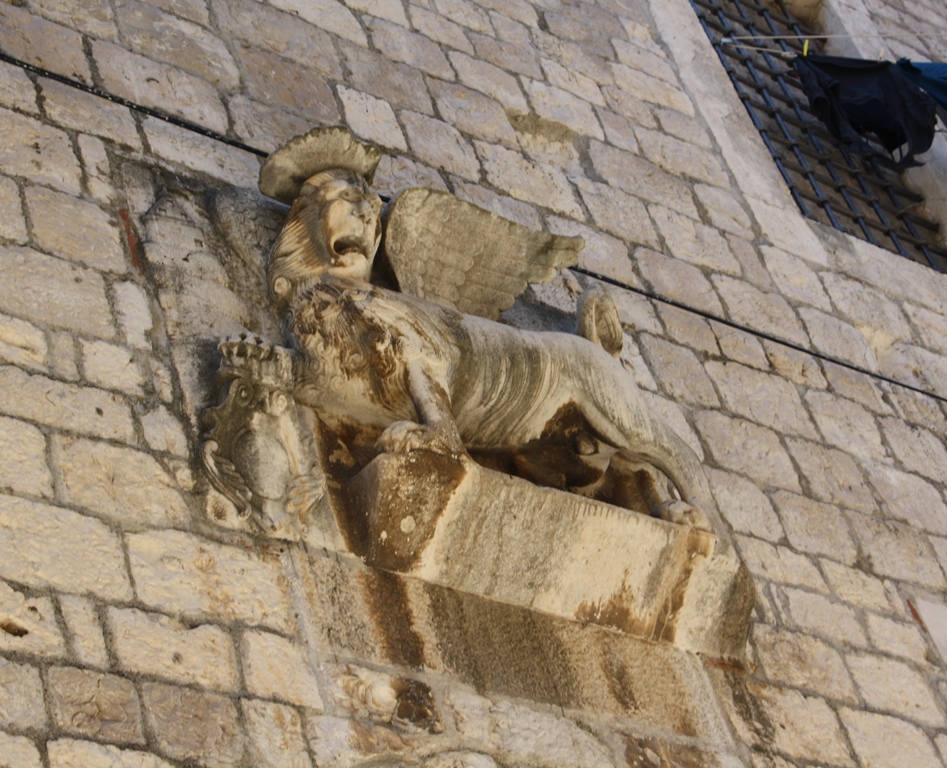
182, 574
749, 449
820, 616
688, 329
856, 386
652, 89
343, 741
400, 44
932, 326
275, 668
838, 339
52, 291
12, 224
162, 37
722, 206
28, 625
639, 177
744, 506
87, 641
48, 546
90, 239
400, 85
490, 80
874, 314
898, 638
846, 425
273, 79
798, 367
19, 751
122, 485
767, 312
805, 726
767, 399
516, 55
153, 644
779, 564
134, 314
440, 145
111, 367
24, 467
796, 279
681, 158
95, 160
619, 213
918, 449
473, 113
396, 172
22, 344
263, 125
73, 108
934, 615
573, 81
42, 153
67, 753
193, 725
645, 58
372, 119
276, 738
504, 206
329, 15
619, 131
63, 360
557, 105
832, 475
856, 587
740, 347
887, 742
602, 254
440, 29
791, 658
43, 43
100, 707
158, 85
816, 528
694, 242
679, 372
17, 90
898, 551
907, 497
164, 432
21, 702
524, 180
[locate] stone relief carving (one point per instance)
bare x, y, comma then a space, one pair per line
399, 375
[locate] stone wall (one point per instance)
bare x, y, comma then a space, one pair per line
133, 632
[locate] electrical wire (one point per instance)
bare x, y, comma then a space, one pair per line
187, 125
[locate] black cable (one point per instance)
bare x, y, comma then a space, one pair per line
648, 294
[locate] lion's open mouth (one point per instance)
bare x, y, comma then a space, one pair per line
345, 246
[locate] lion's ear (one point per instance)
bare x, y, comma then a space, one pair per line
444, 249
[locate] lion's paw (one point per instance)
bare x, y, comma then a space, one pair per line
407, 436
682, 513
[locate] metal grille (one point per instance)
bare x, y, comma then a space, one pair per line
858, 194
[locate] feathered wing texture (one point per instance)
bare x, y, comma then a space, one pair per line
248, 221
450, 251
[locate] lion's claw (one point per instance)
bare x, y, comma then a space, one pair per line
407, 436
682, 513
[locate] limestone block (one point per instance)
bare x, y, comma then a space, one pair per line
490, 80
779, 564
95, 160
602, 254
832, 475
93, 17
396, 172
887, 742
193, 725
276, 668
265, 126
934, 615
751, 450
276, 738
619, 213
37, 151
17, 90
87, 641
287, 84
199, 153
746, 253
161, 37
619, 131
21, 697
785, 228
628, 589
838, 339
515, 56
898, 551
898, 639
767, 399
739, 346
329, 15
43, 43
122, 485
820, 616
12, 224
460, 759
178, 573
645, 58
531, 182
153, 644
895, 687
372, 119
643, 179
856, 587
507, 207
28, 625
798, 367
874, 314
762, 311
694, 242
337, 741
164, 432
673, 415
400, 85
907, 497
652, 89
19, 751
24, 467
805, 726
637, 112
688, 329
560, 106
816, 528
795, 279
67, 753
51, 291
679, 372
682, 158
791, 658
396, 42
111, 367
440, 29
46, 546
97, 706
856, 386
465, 13
744, 506
158, 85
932, 326
572, 81
440, 145
918, 449
473, 113
72, 108
134, 314
846, 425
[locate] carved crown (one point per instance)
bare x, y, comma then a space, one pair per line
251, 356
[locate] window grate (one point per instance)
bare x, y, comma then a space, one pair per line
858, 194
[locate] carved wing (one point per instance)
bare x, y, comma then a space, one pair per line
450, 251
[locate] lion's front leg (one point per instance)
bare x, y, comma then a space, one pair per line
436, 429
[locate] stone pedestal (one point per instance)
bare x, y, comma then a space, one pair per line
454, 523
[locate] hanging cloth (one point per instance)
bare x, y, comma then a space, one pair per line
932, 78
856, 98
